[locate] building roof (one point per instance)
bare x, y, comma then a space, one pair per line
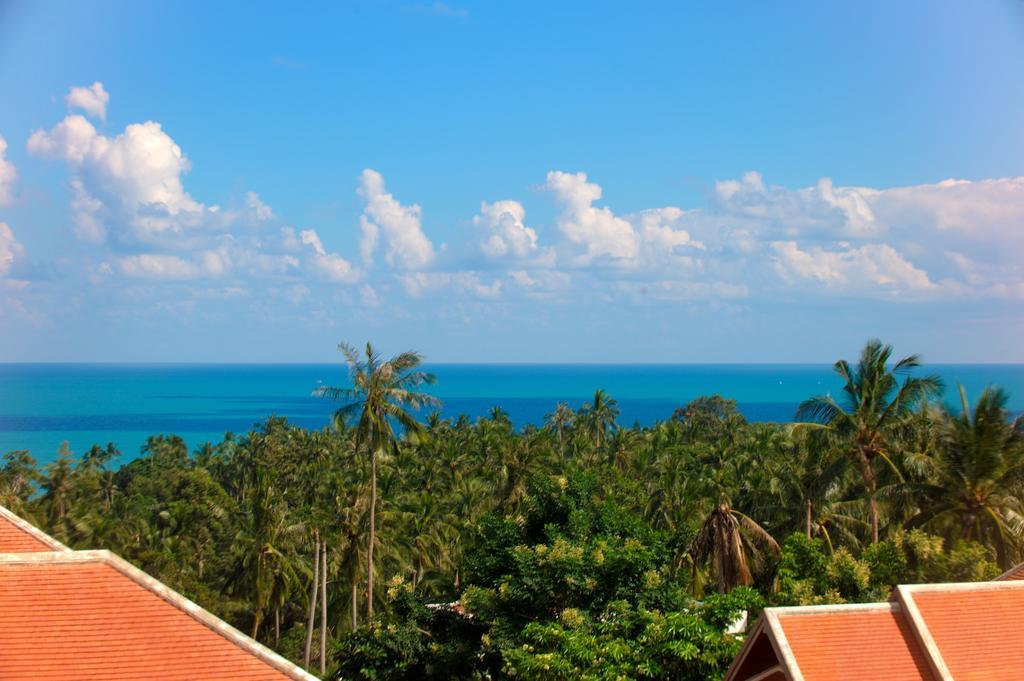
928, 632
1014, 573
91, 615
20, 536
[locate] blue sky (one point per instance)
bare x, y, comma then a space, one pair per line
605, 182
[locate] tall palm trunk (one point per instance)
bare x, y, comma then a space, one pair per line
809, 516
323, 608
867, 471
373, 535
277, 625
355, 603
312, 600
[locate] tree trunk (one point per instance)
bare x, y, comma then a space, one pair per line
373, 535
867, 471
310, 620
323, 608
277, 625
355, 602
808, 519
255, 625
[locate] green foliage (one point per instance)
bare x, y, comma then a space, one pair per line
624, 642
574, 549
415, 641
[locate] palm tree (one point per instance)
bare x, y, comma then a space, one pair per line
262, 566
873, 405
380, 393
559, 420
725, 539
599, 416
978, 470
17, 478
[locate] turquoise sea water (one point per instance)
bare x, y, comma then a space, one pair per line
42, 405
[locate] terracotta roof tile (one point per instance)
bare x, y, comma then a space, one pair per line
85, 615
1016, 573
976, 627
18, 536
839, 644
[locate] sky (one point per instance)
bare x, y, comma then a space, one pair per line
511, 182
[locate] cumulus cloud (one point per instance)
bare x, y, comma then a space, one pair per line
92, 100
601, 233
865, 267
128, 186
986, 212
7, 175
10, 249
647, 240
505, 235
789, 212
399, 227
317, 260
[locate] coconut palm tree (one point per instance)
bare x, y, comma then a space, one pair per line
559, 420
263, 563
599, 417
381, 393
978, 470
874, 402
730, 540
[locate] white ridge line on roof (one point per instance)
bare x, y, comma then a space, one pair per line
31, 529
923, 635
170, 596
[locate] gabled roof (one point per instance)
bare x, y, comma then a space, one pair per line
830, 642
91, 615
20, 536
1014, 573
929, 632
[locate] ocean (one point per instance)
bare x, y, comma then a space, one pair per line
42, 405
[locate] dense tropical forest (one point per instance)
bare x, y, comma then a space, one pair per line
387, 547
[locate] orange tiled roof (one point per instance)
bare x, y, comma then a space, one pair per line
972, 630
933, 632
832, 644
91, 615
1014, 573
18, 536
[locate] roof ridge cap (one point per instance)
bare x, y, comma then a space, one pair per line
169, 596
924, 637
204, 616
31, 529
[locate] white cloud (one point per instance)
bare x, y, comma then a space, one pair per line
418, 283
158, 266
369, 296
7, 175
258, 211
328, 266
129, 186
10, 249
788, 212
649, 240
504, 233
987, 212
384, 218
92, 100
600, 232
872, 266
